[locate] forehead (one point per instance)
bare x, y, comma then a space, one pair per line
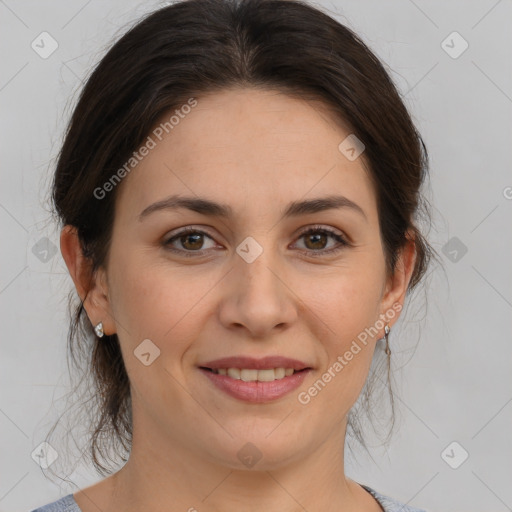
254, 149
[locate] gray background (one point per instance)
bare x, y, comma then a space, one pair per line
452, 368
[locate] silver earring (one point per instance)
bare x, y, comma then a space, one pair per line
387, 330
99, 330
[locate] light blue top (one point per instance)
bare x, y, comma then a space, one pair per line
68, 504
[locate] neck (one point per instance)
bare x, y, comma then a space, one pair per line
193, 481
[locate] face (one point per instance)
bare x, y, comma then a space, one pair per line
266, 279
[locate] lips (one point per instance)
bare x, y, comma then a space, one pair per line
256, 391
256, 380
251, 363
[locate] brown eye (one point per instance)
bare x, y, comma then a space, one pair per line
316, 241
190, 241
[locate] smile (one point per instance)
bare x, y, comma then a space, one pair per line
253, 375
256, 386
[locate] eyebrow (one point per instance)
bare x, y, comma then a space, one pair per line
213, 209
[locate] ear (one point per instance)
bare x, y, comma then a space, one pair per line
91, 286
396, 285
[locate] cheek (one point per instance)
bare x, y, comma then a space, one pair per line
348, 302
345, 310
159, 301
346, 365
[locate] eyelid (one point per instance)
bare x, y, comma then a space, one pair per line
320, 227
182, 232
188, 229
342, 239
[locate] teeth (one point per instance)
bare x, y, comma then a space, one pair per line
234, 373
251, 375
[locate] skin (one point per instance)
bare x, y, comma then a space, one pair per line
255, 150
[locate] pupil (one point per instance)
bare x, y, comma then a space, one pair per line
317, 237
192, 236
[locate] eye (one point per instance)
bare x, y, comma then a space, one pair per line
192, 241
315, 240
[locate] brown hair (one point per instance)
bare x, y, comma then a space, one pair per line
200, 46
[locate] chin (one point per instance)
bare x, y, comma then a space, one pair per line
259, 452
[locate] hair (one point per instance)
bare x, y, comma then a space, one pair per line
196, 47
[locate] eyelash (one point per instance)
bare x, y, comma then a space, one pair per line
314, 229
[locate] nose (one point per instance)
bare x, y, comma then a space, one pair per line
258, 296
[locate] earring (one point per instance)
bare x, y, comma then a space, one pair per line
387, 330
99, 330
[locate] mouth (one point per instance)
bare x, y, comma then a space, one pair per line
255, 375
253, 385
255, 380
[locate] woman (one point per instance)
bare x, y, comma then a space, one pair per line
237, 191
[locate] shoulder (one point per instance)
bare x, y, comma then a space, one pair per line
390, 504
68, 504
65, 504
